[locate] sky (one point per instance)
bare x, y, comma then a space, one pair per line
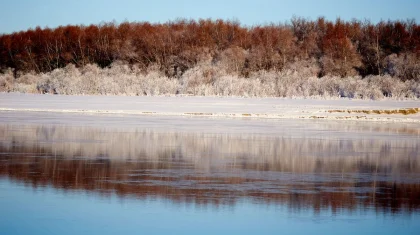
20, 15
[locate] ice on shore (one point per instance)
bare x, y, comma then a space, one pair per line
231, 107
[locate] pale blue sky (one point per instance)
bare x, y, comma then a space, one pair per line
16, 15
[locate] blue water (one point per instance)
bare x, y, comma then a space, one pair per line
25, 210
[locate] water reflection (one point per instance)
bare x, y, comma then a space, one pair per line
348, 170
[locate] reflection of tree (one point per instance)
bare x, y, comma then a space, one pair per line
383, 154
187, 182
217, 169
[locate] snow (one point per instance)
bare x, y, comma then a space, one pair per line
220, 107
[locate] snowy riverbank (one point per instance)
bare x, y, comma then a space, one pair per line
229, 107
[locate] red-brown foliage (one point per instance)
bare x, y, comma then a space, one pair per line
341, 48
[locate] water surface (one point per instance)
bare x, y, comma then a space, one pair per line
142, 175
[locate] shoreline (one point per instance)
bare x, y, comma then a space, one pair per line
406, 111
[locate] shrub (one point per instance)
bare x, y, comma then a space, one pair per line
298, 79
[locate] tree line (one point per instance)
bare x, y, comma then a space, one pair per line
340, 48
